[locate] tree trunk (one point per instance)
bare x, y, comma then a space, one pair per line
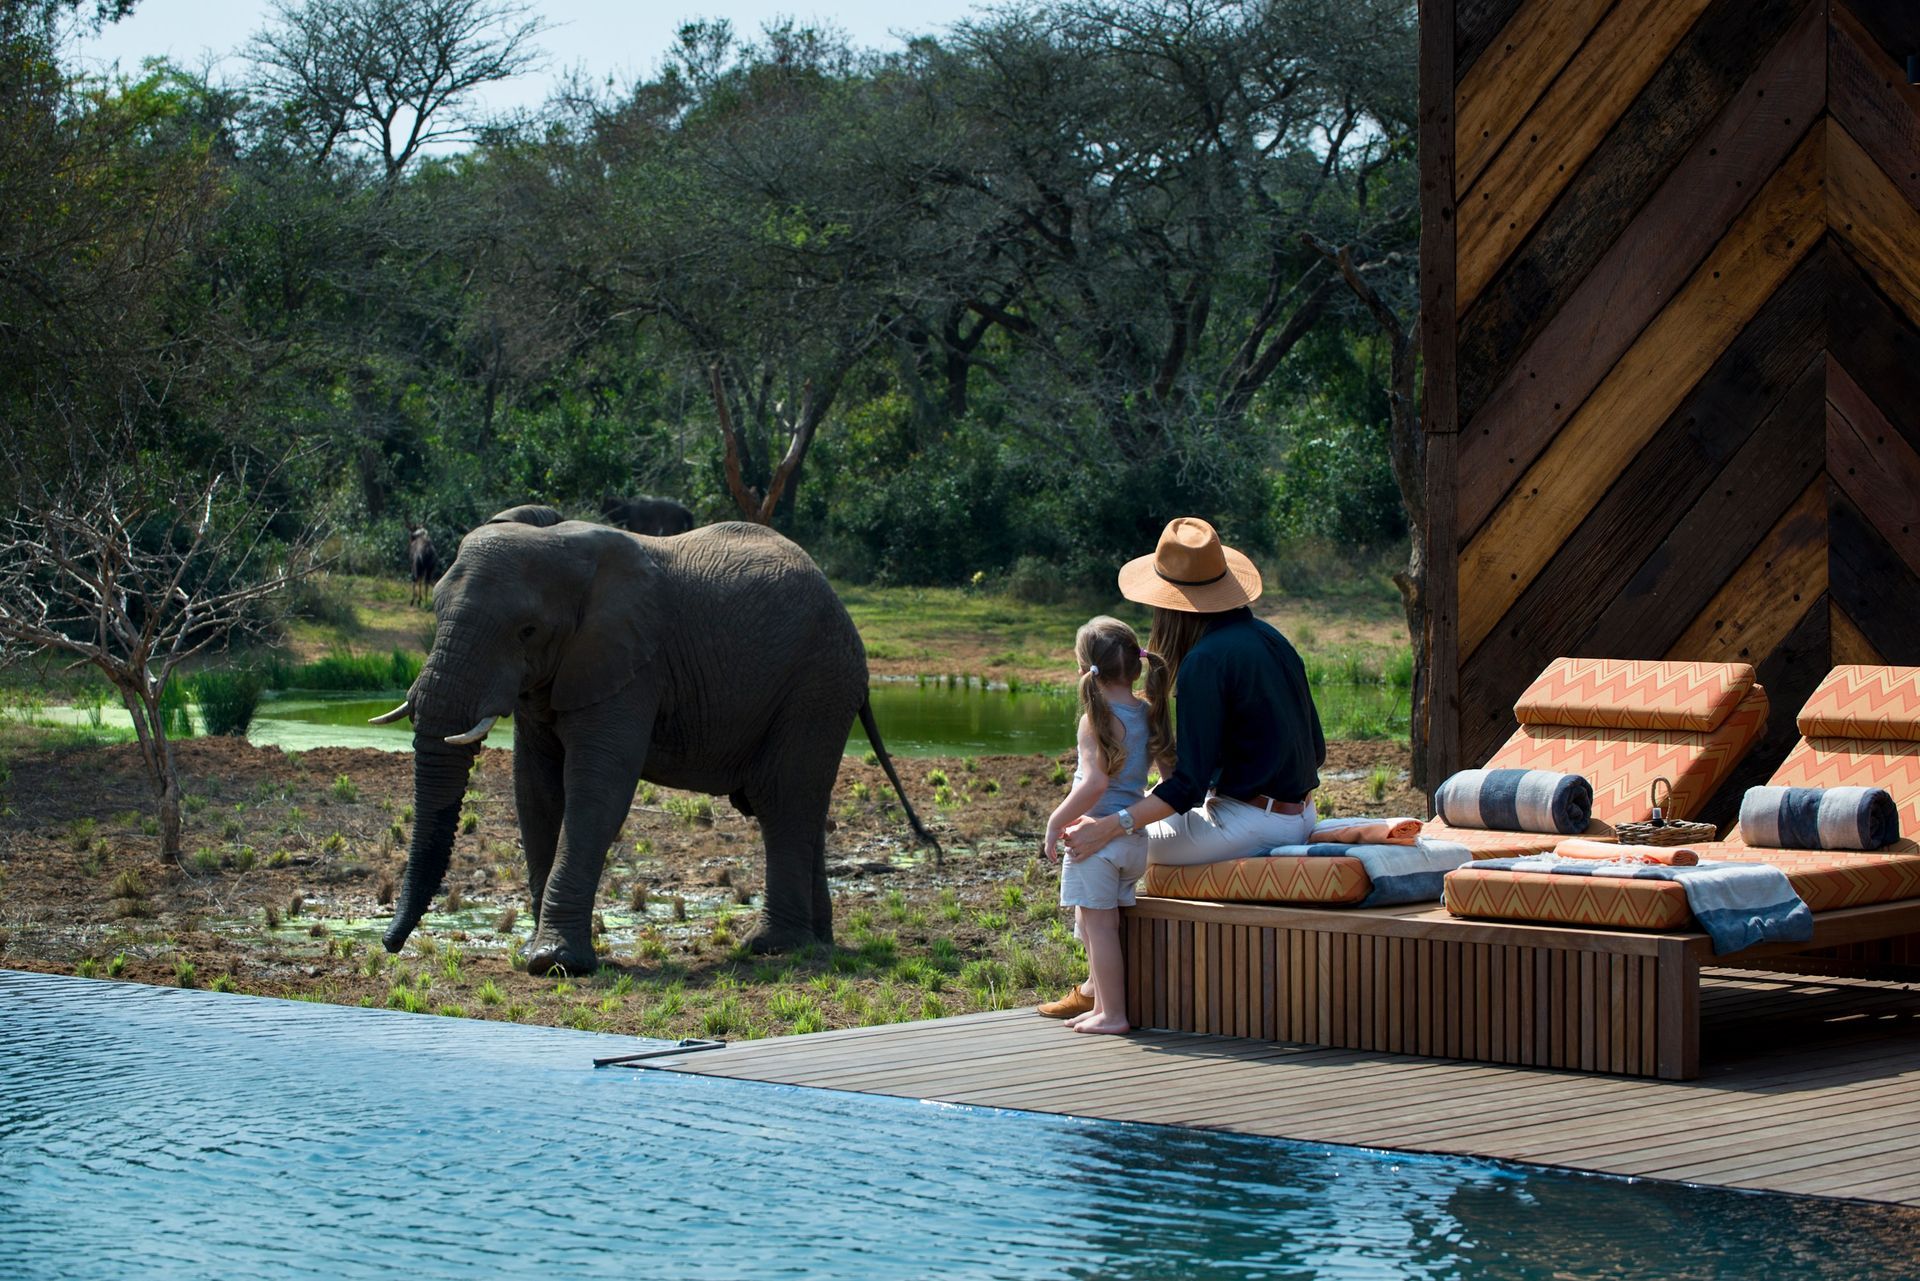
1407, 447
1412, 582
156, 752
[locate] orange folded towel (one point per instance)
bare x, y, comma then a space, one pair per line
1366, 831
1600, 851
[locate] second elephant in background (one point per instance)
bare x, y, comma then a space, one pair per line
656, 517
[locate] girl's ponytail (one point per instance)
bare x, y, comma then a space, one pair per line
1106, 647
1106, 727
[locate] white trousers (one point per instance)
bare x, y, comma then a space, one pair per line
1224, 828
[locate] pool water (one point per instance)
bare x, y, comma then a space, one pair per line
158, 1132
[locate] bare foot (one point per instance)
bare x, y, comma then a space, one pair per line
1102, 1024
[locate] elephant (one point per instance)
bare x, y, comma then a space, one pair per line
424, 564
658, 516
719, 661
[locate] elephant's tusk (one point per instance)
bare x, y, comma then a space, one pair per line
387, 718
475, 734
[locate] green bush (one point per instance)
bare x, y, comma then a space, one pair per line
176, 711
352, 673
1337, 484
228, 700
1035, 580
319, 599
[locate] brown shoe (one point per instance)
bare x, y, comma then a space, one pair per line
1074, 1002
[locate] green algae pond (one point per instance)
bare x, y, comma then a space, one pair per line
918, 718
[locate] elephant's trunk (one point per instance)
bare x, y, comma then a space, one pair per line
439, 785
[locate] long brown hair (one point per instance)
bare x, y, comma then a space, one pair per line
1175, 632
1108, 649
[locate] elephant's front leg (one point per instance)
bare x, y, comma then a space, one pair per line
599, 785
539, 797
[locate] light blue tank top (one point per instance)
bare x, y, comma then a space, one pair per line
1130, 784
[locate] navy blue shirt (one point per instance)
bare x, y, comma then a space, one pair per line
1247, 725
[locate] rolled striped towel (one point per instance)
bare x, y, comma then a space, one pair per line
1602, 852
1516, 800
1365, 831
1819, 818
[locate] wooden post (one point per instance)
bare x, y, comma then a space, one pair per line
1440, 395
1677, 985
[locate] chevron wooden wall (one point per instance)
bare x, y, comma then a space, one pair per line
1671, 300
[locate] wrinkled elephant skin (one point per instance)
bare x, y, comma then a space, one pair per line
718, 661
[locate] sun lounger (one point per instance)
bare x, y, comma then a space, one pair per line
1620, 723
1861, 727
1288, 957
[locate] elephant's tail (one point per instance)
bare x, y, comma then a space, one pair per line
886, 763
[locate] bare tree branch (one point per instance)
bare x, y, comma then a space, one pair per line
133, 579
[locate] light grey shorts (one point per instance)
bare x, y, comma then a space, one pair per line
1105, 879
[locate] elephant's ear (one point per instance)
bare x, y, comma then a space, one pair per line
619, 619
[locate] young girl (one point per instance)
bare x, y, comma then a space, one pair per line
1120, 737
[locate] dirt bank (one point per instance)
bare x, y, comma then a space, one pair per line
292, 860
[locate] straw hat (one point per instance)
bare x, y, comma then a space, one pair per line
1191, 571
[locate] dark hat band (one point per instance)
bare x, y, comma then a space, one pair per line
1189, 582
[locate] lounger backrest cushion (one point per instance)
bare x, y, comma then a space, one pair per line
1623, 762
1861, 728
1625, 693
1857, 762
1865, 702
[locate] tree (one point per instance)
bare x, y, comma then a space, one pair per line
390, 78
732, 209
133, 578
1143, 172
106, 194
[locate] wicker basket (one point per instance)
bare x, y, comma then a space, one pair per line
1663, 831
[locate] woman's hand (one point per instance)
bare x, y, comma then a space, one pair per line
1050, 845
1088, 836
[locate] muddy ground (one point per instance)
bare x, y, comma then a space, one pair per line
292, 861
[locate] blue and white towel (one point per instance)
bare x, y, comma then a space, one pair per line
1819, 818
1737, 904
1400, 873
1516, 800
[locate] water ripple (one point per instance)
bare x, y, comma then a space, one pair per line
155, 1132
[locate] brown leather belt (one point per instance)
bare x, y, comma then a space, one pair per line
1267, 803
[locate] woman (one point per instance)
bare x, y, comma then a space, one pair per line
1248, 746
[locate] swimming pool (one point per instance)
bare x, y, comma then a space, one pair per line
158, 1132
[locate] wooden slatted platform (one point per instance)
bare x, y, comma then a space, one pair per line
1811, 1086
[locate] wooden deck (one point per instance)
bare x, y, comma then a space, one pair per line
1809, 1086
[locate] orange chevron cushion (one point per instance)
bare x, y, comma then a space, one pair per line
1565, 900
1855, 762
1833, 879
1865, 702
1328, 882
1826, 879
1262, 880
1622, 763
1631, 693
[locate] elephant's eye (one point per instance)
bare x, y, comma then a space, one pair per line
526, 633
